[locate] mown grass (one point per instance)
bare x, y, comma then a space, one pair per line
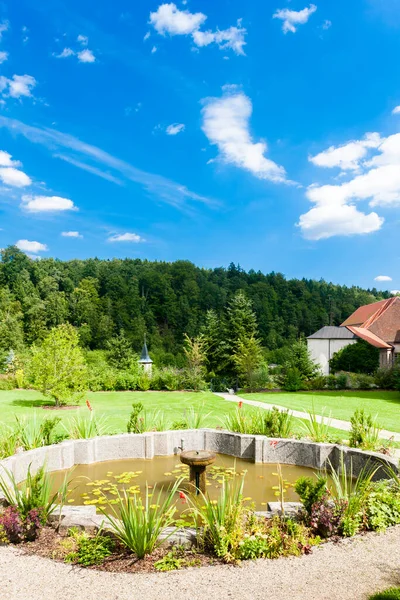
341, 404
116, 406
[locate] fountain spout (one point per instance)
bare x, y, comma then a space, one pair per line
198, 461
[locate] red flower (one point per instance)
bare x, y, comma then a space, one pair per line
240, 404
89, 405
182, 497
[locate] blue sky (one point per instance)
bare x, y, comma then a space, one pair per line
263, 133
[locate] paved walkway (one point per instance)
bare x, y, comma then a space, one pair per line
337, 423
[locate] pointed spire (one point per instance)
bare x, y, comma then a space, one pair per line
144, 356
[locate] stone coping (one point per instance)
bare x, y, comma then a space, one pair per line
257, 448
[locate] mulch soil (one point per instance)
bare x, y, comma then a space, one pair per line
51, 544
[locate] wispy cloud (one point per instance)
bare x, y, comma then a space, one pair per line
126, 237
71, 234
175, 128
168, 191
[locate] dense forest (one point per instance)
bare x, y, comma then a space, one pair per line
101, 298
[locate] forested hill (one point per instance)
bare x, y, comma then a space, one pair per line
103, 297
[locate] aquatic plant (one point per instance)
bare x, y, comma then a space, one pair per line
138, 523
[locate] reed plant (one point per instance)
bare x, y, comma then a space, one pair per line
316, 428
221, 520
137, 523
34, 493
83, 427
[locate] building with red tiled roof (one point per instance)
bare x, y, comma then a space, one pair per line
377, 323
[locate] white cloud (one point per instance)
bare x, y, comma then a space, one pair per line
82, 39
6, 161
232, 38
71, 234
146, 37
169, 19
226, 125
65, 53
291, 18
327, 220
126, 237
374, 179
395, 292
396, 110
348, 156
154, 49
86, 56
175, 128
14, 177
27, 246
40, 204
383, 278
3, 56
17, 86
326, 24
21, 85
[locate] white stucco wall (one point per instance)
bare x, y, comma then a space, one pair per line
322, 351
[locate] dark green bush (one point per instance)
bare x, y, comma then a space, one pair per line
293, 381
360, 357
310, 491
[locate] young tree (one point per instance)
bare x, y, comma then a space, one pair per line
120, 353
58, 368
242, 319
216, 346
247, 358
298, 358
194, 349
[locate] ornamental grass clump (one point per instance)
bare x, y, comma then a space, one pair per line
364, 431
138, 523
271, 423
317, 428
86, 426
34, 493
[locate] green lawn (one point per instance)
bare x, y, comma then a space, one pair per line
117, 407
341, 404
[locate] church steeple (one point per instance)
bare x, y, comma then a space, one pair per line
145, 359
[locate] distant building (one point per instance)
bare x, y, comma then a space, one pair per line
145, 359
378, 324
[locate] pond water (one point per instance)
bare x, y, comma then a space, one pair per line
99, 483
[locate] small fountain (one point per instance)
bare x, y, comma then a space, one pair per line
198, 461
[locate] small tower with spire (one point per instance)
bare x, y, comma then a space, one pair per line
145, 359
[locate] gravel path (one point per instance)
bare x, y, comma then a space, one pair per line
351, 570
337, 423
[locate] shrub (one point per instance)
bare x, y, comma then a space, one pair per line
318, 383
137, 524
326, 516
360, 357
293, 381
310, 491
192, 419
384, 378
273, 423
342, 381
382, 505
89, 550
134, 419
364, 431
17, 528
361, 381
